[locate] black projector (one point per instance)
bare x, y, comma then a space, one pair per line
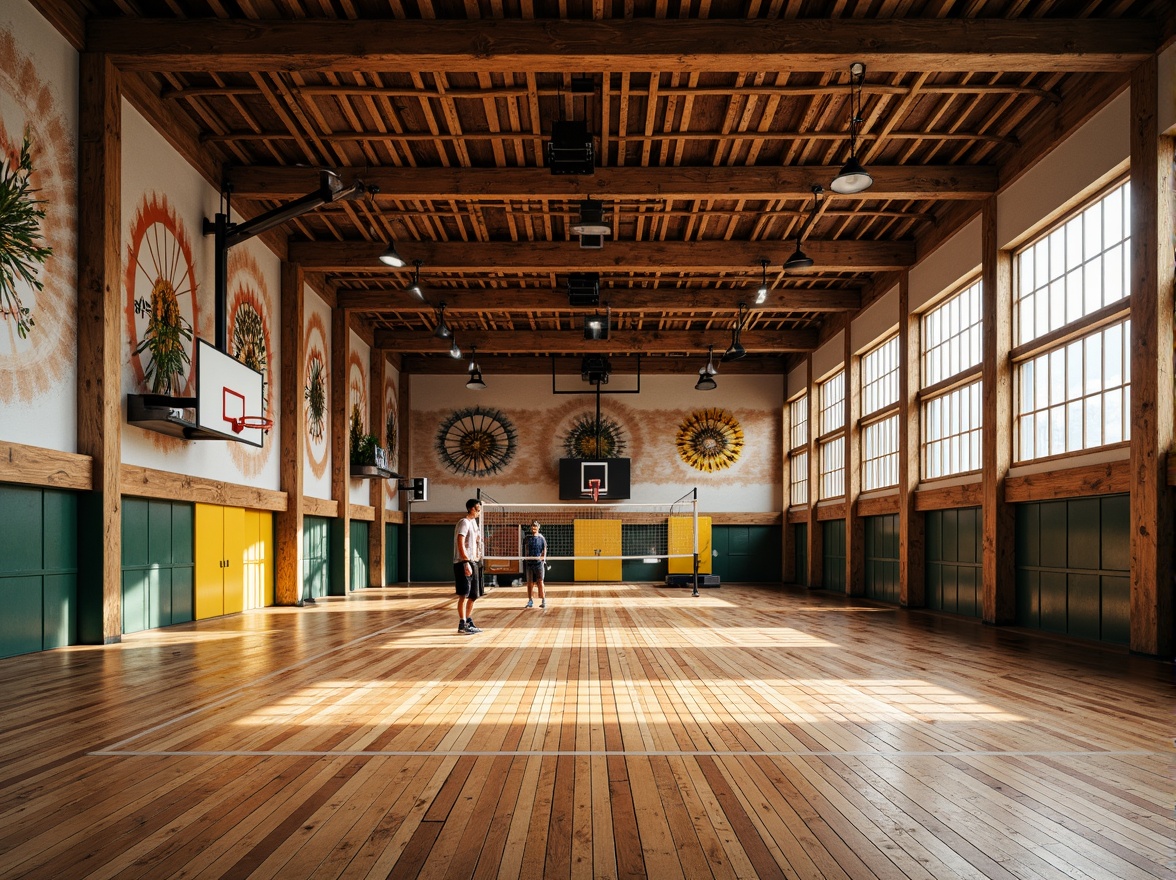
583, 289
594, 368
570, 150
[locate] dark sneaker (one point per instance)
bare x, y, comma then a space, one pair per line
463, 629
530, 604
470, 625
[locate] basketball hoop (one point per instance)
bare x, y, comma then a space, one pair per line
594, 485
240, 423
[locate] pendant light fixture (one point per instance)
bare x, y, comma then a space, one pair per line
706, 373
442, 331
800, 260
853, 178
475, 383
736, 350
454, 350
415, 288
392, 258
761, 295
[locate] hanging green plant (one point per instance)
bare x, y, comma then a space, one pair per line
21, 254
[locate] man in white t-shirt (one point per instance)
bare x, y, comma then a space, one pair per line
467, 554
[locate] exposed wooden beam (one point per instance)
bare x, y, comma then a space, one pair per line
933, 182
642, 256
532, 365
623, 45
619, 341
620, 301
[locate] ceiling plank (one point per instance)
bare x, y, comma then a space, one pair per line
620, 342
531, 300
624, 45
546, 256
528, 365
913, 182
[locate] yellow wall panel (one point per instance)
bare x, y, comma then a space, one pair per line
236, 543
265, 541
253, 561
592, 538
209, 574
682, 541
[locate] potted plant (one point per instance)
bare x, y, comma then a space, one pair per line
368, 458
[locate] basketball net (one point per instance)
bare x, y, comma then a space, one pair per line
594, 485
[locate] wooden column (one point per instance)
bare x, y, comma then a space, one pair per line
341, 446
1152, 520
288, 585
100, 317
404, 466
816, 544
379, 418
787, 531
912, 548
999, 587
855, 529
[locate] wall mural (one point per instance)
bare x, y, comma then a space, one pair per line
315, 394
357, 386
391, 433
476, 441
38, 341
249, 342
161, 310
710, 440
584, 440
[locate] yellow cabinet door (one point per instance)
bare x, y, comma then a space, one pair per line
209, 569
236, 542
265, 546
592, 539
682, 541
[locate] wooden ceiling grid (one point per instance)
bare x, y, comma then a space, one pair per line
712, 125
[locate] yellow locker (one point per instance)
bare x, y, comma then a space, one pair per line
236, 541
595, 538
210, 571
258, 556
265, 543
682, 541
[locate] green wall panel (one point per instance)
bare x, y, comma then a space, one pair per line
392, 573
23, 522
800, 545
59, 609
360, 552
60, 531
1073, 560
746, 554
953, 540
21, 622
316, 556
833, 577
432, 553
157, 552
136, 587
881, 557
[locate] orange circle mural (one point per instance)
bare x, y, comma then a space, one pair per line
250, 343
316, 395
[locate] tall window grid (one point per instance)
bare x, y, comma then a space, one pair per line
1071, 365
879, 435
831, 464
951, 399
798, 411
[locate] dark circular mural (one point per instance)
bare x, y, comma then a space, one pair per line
476, 441
583, 441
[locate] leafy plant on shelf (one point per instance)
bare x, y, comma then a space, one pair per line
363, 445
21, 254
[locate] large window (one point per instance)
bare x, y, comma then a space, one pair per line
798, 451
951, 396
831, 440
879, 433
1072, 357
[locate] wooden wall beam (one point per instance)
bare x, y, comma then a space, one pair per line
291, 439
878, 505
1075, 482
623, 45
48, 468
949, 497
145, 482
1153, 522
100, 321
340, 441
999, 575
912, 548
648, 341
327, 507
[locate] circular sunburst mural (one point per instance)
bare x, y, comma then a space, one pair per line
315, 393
710, 440
476, 441
391, 436
249, 342
584, 441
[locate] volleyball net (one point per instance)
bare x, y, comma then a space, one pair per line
579, 531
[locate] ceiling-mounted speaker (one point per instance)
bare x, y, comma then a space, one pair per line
570, 150
584, 289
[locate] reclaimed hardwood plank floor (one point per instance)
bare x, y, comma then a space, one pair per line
625, 731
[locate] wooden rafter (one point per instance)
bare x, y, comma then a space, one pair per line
646, 341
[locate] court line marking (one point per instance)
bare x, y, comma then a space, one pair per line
615, 753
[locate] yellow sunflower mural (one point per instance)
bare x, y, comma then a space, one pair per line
710, 440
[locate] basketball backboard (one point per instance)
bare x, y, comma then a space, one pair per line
228, 395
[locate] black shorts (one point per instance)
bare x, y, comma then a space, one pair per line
533, 570
468, 586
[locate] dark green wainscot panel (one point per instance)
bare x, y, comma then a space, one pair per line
1073, 567
38, 569
800, 539
833, 539
157, 563
392, 553
360, 554
432, 553
316, 556
746, 553
954, 561
881, 569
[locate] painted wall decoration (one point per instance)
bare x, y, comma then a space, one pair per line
38, 310
357, 390
476, 441
23, 250
160, 284
391, 433
250, 343
584, 440
315, 393
710, 440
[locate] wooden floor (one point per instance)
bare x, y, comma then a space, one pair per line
626, 731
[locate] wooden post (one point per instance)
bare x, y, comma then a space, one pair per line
999, 587
787, 536
340, 443
100, 317
1152, 521
404, 466
379, 417
816, 544
855, 529
912, 548
288, 585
